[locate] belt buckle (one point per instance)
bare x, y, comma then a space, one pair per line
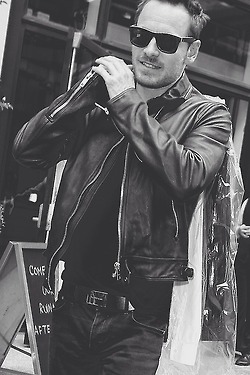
97, 298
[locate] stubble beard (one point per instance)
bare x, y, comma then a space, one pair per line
151, 83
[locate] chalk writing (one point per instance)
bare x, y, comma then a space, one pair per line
46, 309
43, 301
37, 270
42, 329
46, 291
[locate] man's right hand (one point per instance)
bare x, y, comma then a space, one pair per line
118, 76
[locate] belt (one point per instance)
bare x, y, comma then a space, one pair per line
97, 298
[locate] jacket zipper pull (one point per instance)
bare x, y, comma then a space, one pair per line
105, 109
116, 274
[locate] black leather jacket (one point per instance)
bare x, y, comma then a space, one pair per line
172, 155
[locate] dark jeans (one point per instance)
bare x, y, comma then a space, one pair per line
86, 340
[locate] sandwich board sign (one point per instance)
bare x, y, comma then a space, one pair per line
22, 295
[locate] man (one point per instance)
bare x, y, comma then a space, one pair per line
135, 169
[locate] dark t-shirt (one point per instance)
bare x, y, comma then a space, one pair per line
94, 248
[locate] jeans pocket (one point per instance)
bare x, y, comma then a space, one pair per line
152, 324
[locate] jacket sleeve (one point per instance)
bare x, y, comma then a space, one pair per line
49, 136
187, 165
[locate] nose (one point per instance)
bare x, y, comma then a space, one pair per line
151, 49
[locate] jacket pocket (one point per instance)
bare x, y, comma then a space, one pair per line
151, 324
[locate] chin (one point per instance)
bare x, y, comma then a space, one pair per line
150, 81
151, 84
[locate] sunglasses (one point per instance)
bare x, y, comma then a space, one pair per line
166, 43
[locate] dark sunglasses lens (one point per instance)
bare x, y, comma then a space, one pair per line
167, 43
139, 37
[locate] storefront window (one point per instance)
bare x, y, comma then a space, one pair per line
122, 13
226, 36
70, 13
38, 83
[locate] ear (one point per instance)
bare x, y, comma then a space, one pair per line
193, 51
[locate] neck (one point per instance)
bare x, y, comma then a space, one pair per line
147, 93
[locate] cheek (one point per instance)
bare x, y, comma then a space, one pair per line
174, 63
136, 51
170, 64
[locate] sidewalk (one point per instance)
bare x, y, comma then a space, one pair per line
17, 363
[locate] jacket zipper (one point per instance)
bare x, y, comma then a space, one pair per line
117, 265
82, 84
176, 220
77, 205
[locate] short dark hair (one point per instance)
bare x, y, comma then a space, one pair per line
194, 8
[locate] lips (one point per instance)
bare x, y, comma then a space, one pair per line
149, 65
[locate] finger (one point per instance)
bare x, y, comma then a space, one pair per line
109, 68
109, 59
102, 71
113, 64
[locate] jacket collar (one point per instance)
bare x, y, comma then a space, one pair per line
172, 98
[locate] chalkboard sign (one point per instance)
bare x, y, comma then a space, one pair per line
39, 301
11, 301
27, 260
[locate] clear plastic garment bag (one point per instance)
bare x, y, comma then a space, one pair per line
202, 327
